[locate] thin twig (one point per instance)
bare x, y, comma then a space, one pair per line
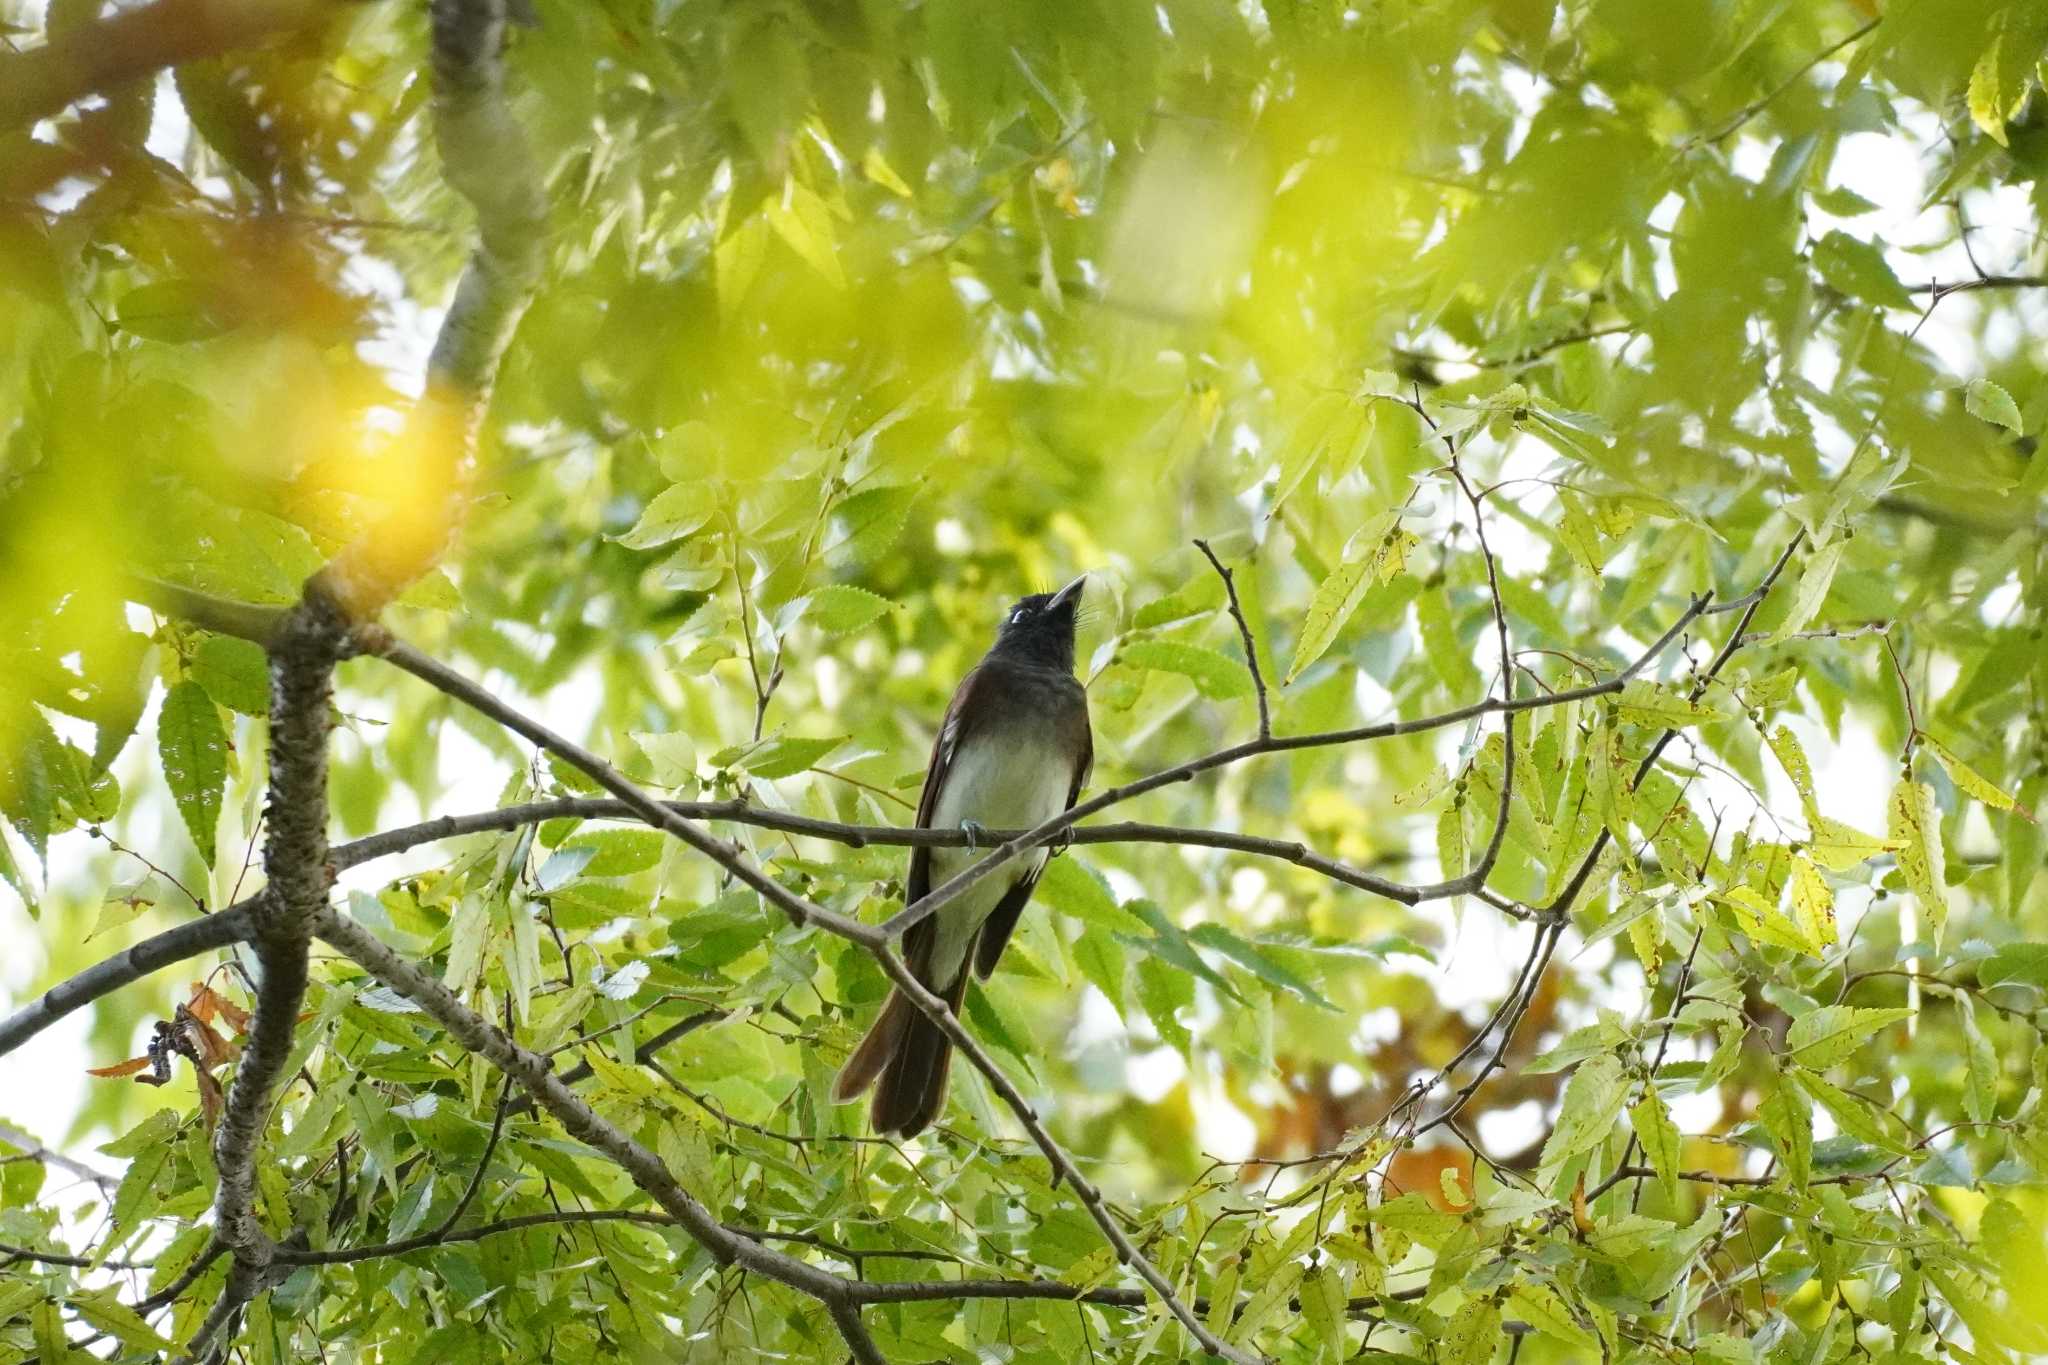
1244, 630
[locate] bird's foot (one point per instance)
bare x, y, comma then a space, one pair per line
976, 832
1061, 842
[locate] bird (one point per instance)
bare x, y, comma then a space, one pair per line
1013, 751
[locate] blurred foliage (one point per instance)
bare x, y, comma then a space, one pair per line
864, 319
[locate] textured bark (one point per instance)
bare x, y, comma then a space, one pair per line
308, 643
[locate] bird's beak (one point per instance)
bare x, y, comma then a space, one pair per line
1069, 594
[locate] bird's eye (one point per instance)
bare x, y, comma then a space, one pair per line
1016, 616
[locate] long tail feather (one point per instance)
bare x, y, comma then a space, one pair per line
875, 1050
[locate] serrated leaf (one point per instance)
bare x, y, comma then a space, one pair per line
1215, 676
1647, 703
1858, 268
1915, 829
1382, 556
1980, 1069
1659, 1136
1758, 920
1071, 887
1472, 1335
1813, 905
1540, 1306
841, 609
1857, 1119
1831, 1033
782, 756
671, 758
617, 852
1592, 1101
1787, 1116
1792, 758
679, 510
1839, 847
1215, 936
1101, 960
1969, 781
193, 748
234, 673
1815, 579
1992, 403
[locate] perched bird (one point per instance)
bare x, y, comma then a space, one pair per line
1012, 752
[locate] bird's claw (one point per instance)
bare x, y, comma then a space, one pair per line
1061, 842
975, 832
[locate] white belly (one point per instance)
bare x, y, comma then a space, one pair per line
1008, 778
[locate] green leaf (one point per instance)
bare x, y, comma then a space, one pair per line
1980, 1071
840, 609
1858, 268
1646, 703
1788, 1118
234, 673
1381, 557
1214, 675
1659, 1137
1831, 1033
618, 852
782, 756
1101, 960
103, 1309
1813, 905
1993, 404
1163, 991
194, 751
1592, 1101
2021, 964
1915, 830
1858, 1118
1071, 887
671, 758
1213, 935
1814, 581
1472, 1335
681, 509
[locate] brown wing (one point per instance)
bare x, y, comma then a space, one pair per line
1002, 921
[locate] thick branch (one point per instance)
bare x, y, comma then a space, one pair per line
303, 652
129, 965
102, 56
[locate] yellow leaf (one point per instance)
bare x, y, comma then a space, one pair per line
1915, 828
876, 167
1813, 904
1792, 758
1839, 847
1970, 782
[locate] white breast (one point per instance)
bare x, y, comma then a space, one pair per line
1007, 777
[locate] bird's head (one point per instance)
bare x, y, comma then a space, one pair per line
1040, 628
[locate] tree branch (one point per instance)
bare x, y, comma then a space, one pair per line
1063, 1166
32, 1150
105, 54
532, 1072
1244, 631
728, 856
131, 964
